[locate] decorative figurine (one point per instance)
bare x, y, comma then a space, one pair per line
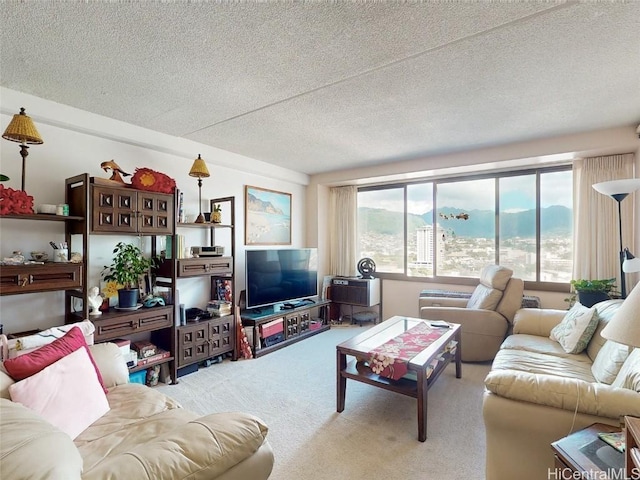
115, 171
95, 301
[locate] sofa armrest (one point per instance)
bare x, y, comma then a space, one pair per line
566, 393
442, 302
32, 448
203, 448
537, 321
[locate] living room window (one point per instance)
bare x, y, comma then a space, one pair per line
450, 228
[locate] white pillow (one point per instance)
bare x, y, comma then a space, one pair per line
629, 374
608, 361
576, 328
67, 393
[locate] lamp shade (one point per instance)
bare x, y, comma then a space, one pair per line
616, 187
624, 327
21, 129
199, 168
631, 264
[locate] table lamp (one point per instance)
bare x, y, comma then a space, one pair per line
199, 170
21, 129
624, 327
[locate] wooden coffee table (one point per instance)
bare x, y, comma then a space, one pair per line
360, 346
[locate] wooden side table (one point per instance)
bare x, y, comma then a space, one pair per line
632, 452
584, 455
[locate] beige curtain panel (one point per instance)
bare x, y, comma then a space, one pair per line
595, 230
343, 229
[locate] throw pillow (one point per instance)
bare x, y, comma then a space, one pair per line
607, 364
629, 374
576, 328
29, 364
67, 393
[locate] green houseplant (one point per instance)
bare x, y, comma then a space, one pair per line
590, 292
127, 266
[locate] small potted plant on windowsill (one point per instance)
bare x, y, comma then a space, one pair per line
590, 292
127, 266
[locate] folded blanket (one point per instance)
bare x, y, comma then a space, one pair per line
19, 346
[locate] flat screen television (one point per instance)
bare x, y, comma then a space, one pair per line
281, 275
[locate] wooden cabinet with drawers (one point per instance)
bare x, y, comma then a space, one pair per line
126, 210
200, 341
16, 279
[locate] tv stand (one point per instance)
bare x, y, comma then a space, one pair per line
272, 331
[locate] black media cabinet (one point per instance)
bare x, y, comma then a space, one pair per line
271, 330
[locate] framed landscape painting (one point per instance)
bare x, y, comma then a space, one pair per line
267, 217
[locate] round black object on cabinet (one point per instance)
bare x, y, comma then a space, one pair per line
367, 267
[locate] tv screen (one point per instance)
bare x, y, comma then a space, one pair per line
280, 275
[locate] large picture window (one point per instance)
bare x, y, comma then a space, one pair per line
453, 227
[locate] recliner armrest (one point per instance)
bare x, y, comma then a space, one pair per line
475, 321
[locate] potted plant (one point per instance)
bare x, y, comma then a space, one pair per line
216, 215
127, 266
591, 292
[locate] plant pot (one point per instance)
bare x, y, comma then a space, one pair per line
589, 299
128, 297
216, 217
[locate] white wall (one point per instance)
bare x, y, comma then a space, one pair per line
76, 142
401, 298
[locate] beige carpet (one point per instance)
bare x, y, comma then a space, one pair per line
294, 391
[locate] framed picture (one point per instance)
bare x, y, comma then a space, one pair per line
267, 217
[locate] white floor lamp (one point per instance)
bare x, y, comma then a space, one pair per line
619, 190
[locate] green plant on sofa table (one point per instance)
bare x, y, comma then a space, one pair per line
590, 292
127, 266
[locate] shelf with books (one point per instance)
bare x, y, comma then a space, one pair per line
197, 342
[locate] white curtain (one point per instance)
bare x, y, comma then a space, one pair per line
595, 230
343, 229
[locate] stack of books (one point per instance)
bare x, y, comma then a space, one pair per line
219, 308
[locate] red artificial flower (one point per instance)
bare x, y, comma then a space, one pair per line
147, 179
15, 202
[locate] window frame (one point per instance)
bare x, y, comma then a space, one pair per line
472, 281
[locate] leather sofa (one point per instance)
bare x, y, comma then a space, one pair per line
485, 317
536, 393
144, 435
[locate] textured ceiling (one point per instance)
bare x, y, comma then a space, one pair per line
316, 87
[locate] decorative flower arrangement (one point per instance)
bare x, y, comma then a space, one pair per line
147, 179
110, 289
15, 202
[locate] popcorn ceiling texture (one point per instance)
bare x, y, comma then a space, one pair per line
321, 86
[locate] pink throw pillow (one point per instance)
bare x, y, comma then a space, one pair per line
66, 393
29, 364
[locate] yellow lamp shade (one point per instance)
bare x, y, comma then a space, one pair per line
199, 168
21, 129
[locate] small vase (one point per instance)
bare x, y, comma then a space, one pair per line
216, 217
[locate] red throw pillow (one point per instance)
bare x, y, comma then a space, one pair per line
29, 364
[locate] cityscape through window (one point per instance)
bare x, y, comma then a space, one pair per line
454, 227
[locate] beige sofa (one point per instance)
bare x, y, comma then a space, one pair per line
536, 393
145, 435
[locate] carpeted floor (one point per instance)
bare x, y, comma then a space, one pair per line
294, 391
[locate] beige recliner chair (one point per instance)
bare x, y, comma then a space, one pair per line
486, 317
